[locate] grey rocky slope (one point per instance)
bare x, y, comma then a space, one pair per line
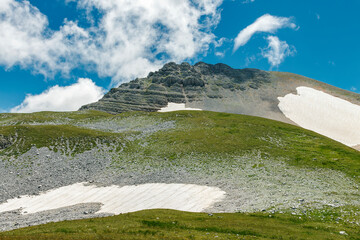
210, 87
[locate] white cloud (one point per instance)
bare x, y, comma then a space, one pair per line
220, 54
277, 51
69, 98
266, 23
131, 37
26, 40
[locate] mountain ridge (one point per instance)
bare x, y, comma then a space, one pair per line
213, 87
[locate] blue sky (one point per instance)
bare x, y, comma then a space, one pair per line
58, 55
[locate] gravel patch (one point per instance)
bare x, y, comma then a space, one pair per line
13, 220
251, 182
139, 124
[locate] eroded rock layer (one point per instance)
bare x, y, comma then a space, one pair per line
179, 84
210, 87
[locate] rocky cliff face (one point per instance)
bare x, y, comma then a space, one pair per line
181, 83
211, 87
4, 142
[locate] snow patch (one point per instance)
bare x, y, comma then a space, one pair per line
116, 200
171, 107
323, 113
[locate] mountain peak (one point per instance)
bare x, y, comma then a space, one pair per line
180, 83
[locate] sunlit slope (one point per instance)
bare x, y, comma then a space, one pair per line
323, 113
261, 164
294, 80
322, 108
193, 133
168, 224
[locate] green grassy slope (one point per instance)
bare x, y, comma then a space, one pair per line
198, 141
222, 133
201, 133
170, 224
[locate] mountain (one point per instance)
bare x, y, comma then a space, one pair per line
228, 176
285, 97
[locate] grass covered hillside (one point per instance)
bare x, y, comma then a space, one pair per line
281, 181
176, 135
170, 224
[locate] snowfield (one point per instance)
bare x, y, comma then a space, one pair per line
323, 113
171, 107
116, 200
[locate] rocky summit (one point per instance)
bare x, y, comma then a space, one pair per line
210, 87
179, 83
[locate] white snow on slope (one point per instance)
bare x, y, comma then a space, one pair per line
323, 113
171, 107
116, 200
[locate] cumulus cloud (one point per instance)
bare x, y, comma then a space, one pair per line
131, 38
277, 51
26, 40
266, 23
69, 98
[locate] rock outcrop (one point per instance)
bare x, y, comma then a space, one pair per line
181, 83
4, 142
